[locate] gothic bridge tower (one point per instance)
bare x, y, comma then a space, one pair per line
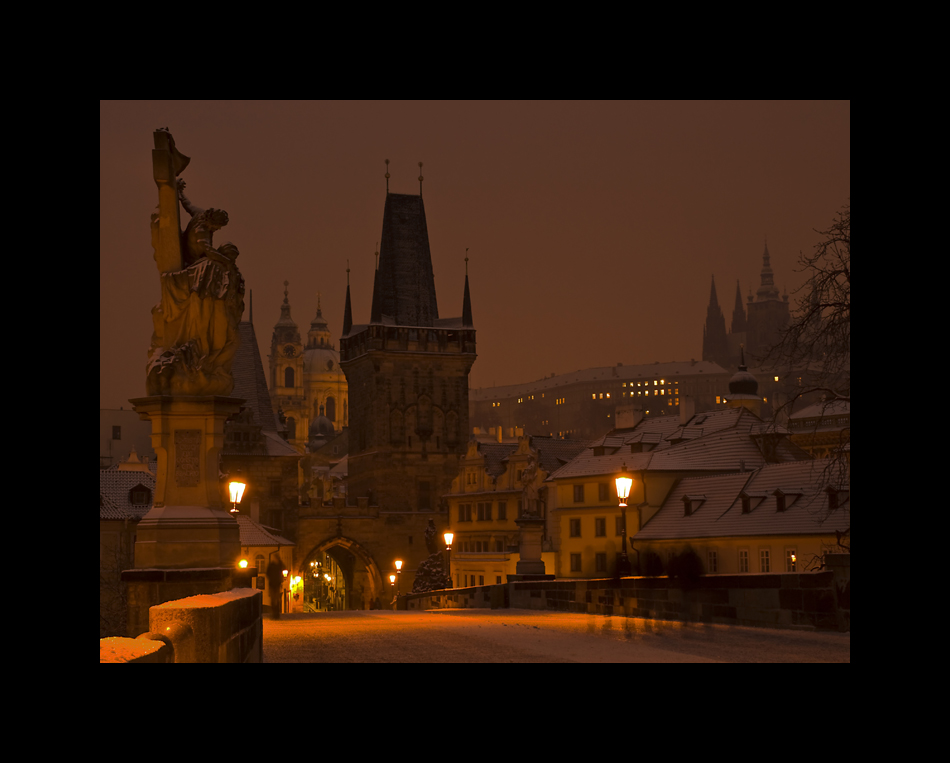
407, 373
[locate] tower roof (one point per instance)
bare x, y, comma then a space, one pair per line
405, 284
742, 382
767, 289
285, 330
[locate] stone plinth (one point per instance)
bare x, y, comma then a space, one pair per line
530, 563
189, 528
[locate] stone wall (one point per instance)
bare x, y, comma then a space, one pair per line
811, 600
211, 628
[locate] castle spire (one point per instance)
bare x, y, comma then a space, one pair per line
738, 313
767, 290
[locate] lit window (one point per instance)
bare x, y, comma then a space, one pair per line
593, 396
717, 399
776, 378
790, 559
608, 396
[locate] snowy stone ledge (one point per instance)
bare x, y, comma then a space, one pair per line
220, 627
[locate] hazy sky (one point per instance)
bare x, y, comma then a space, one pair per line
593, 229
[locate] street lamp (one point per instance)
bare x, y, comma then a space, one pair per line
624, 482
448, 536
398, 563
236, 491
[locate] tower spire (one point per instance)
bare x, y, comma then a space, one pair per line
420, 178
466, 298
347, 310
387, 176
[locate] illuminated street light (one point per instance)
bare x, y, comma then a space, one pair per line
624, 482
236, 491
448, 536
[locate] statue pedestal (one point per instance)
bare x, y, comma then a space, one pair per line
189, 542
530, 563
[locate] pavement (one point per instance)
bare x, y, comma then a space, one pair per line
513, 635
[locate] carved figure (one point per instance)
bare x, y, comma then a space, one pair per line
529, 491
195, 324
430, 537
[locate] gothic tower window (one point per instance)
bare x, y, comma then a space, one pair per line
289, 376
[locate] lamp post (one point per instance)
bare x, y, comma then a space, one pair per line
448, 536
398, 564
236, 491
624, 482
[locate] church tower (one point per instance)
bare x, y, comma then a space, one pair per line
286, 375
768, 315
407, 373
715, 346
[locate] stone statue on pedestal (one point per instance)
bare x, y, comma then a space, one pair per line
195, 324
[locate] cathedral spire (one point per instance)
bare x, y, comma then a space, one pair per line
767, 290
738, 313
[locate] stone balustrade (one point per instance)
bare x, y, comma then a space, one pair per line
219, 627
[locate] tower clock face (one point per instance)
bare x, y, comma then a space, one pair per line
289, 350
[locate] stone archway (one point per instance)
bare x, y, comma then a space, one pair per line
363, 580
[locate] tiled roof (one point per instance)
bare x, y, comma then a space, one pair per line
589, 465
114, 489
254, 534
720, 515
250, 381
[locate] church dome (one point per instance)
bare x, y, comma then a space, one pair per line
321, 360
743, 383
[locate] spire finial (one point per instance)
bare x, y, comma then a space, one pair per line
466, 261
286, 284
387, 176
318, 303
420, 178
347, 272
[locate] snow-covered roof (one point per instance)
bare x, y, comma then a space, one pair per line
256, 534
115, 488
721, 513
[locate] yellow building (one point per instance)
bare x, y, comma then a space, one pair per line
587, 526
823, 428
496, 484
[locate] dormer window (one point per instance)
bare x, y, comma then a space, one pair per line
785, 498
140, 495
691, 504
750, 501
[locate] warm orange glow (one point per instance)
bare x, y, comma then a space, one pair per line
448, 535
624, 482
236, 490
392, 579
243, 564
398, 564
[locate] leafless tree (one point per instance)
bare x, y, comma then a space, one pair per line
815, 348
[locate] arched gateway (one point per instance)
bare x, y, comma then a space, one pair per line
338, 573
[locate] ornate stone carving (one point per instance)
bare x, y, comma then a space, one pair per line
196, 323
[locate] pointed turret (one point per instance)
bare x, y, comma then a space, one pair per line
347, 310
467, 301
319, 334
285, 330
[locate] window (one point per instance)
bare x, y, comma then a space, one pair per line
712, 561
331, 409
600, 527
465, 512
600, 562
765, 564
116, 433
502, 510
499, 546
575, 528
578, 494
289, 376
743, 560
261, 564
481, 580
790, 560
425, 496
575, 562
140, 495
483, 512
497, 579
603, 491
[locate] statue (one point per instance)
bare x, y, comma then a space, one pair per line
529, 495
196, 323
